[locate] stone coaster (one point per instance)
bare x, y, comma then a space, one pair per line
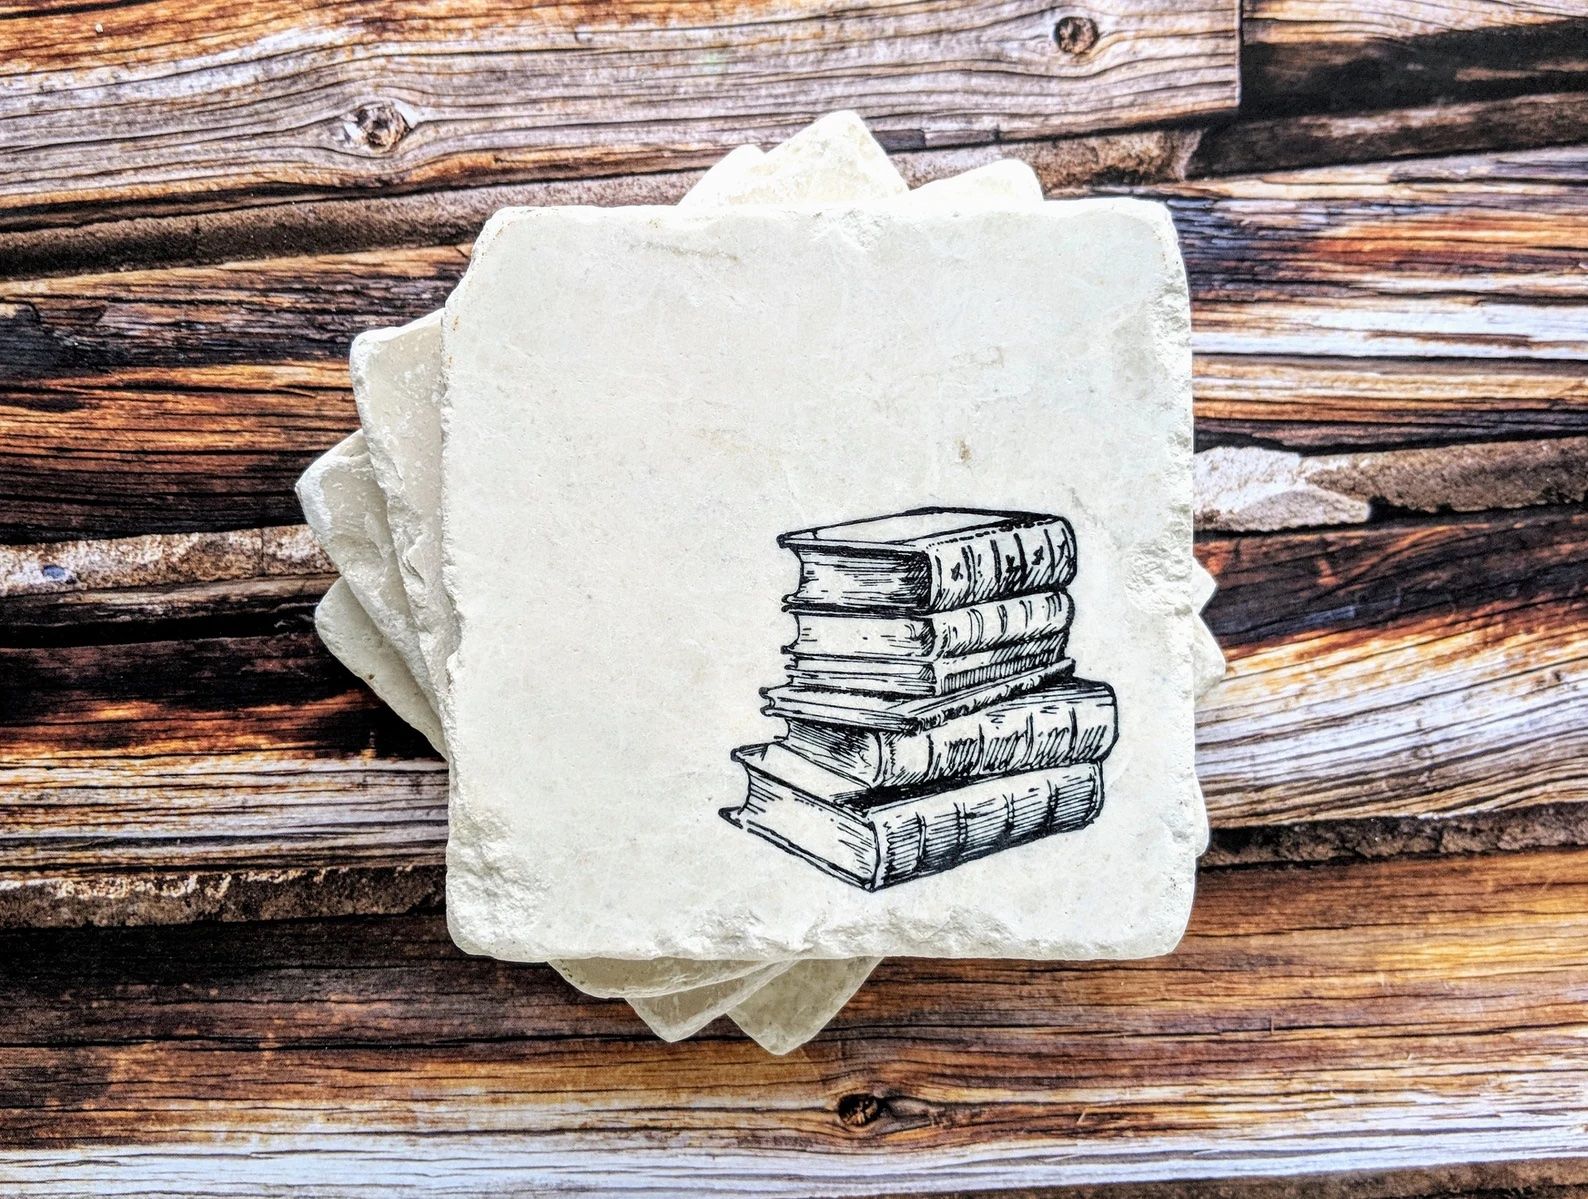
648, 409
353, 639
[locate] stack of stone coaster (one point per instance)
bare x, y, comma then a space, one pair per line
388, 513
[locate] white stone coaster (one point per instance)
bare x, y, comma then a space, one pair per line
641, 402
396, 384
777, 1015
346, 511
684, 1013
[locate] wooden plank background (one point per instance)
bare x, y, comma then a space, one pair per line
220, 859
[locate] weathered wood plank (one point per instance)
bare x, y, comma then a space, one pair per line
1323, 55
247, 694
1380, 676
266, 228
188, 399
1323, 403
1539, 1178
158, 586
1253, 144
1287, 1034
348, 98
1480, 710
1395, 304
1447, 258
1465, 63
1291, 588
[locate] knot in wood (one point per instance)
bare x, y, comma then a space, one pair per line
379, 125
1075, 34
856, 1111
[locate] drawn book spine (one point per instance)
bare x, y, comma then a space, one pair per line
941, 676
876, 841
1003, 562
901, 714
938, 832
934, 574
1075, 721
959, 631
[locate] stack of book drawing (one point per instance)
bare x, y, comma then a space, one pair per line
933, 715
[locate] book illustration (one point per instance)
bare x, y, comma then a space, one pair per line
938, 677
930, 560
932, 715
934, 635
1070, 721
874, 837
866, 710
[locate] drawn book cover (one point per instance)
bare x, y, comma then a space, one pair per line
930, 559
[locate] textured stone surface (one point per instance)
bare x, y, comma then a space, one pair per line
778, 1014
684, 1013
833, 161
396, 380
352, 637
1012, 359
346, 511
1207, 659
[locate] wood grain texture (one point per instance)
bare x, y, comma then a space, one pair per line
1312, 55
1458, 258
200, 205
1336, 73
1380, 305
1373, 306
1251, 144
188, 398
264, 228
196, 103
1288, 1034
1454, 709
1314, 404
1381, 676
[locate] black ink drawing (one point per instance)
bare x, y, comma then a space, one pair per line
933, 717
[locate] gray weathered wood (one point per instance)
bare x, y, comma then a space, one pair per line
376, 97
